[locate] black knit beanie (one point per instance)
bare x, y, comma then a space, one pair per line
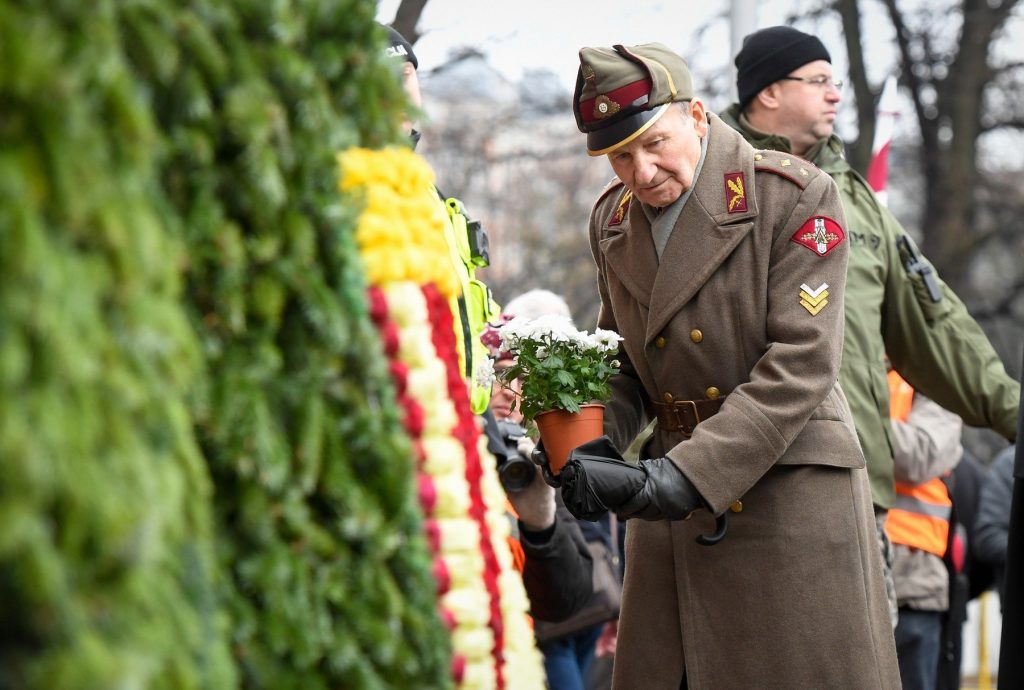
398, 47
770, 54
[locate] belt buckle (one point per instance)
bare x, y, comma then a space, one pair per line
696, 414
678, 406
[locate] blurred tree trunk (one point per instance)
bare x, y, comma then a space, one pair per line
407, 17
947, 85
859, 151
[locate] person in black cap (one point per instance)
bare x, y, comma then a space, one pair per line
723, 269
400, 49
557, 572
897, 305
779, 60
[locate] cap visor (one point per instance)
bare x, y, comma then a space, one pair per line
607, 139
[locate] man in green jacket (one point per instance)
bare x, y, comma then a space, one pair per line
895, 306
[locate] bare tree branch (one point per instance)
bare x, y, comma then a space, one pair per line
929, 130
407, 17
1006, 67
1011, 123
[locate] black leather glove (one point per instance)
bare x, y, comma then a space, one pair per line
666, 495
596, 479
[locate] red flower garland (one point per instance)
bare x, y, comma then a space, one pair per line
467, 433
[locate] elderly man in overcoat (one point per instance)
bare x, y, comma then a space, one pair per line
723, 268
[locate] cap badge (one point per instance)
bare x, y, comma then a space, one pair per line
620, 210
588, 72
813, 300
605, 107
735, 193
820, 234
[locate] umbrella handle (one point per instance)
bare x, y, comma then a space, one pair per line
721, 527
539, 457
552, 480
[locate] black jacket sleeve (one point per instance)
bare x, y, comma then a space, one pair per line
558, 571
992, 525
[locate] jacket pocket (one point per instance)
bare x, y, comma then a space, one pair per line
830, 408
825, 442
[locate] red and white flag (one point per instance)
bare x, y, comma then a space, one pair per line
885, 124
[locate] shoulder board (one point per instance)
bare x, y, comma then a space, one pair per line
794, 168
614, 184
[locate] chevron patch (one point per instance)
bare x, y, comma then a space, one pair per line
813, 300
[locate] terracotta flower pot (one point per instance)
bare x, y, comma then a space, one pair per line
562, 431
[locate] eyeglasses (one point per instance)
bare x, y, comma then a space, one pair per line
821, 81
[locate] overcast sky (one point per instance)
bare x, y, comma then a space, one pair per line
528, 34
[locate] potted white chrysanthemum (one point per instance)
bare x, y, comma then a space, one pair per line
564, 375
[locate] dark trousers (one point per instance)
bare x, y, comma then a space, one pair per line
952, 634
917, 648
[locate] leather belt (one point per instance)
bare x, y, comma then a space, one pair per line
685, 415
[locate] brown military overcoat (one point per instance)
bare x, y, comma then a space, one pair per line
745, 303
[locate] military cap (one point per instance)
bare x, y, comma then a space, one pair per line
621, 91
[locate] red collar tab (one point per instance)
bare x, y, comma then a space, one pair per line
735, 192
620, 210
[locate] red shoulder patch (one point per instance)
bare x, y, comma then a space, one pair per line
735, 192
620, 210
820, 234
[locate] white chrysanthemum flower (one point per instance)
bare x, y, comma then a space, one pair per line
484, 375
535, 341
606, 341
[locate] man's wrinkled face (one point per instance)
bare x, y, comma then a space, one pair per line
658, 166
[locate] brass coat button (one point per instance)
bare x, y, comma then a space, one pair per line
712, 392
668, 397
736, 507
659, 342
696, 336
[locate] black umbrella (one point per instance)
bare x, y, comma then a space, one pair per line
596, 479
1011, 661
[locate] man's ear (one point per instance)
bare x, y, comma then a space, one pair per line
700, 117
770, 97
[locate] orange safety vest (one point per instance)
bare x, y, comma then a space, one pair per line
901, 397
920, 517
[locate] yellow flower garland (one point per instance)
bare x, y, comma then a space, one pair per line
401, 228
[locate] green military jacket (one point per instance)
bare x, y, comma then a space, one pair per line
936, 346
